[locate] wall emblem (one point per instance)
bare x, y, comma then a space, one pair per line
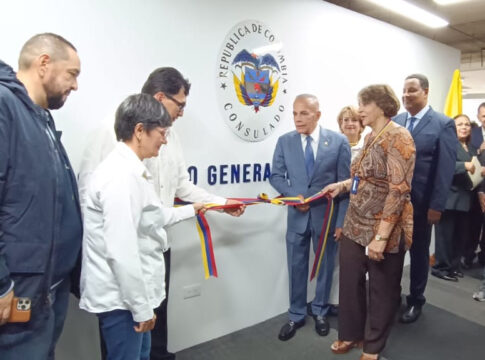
252, 80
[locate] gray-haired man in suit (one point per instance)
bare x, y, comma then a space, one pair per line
304, 162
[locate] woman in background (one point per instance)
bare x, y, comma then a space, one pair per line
351, 126
453, 229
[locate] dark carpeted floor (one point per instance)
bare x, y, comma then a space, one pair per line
438, 334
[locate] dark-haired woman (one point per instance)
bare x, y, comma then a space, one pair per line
452, 230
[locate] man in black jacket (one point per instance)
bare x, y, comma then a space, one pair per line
40, 219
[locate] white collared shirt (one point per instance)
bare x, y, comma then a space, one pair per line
315, 138
124, 238
170, 176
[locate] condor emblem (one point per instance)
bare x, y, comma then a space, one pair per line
252, 80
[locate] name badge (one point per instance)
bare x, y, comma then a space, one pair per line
355, 185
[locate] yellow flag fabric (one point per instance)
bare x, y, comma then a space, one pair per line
453, 104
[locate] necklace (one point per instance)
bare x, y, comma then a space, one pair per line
369, 145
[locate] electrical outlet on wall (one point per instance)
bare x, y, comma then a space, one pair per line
191, 291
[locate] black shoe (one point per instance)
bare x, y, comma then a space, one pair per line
410, 315
458, 274
165, 355
289, 329
333, 310
444, 275
322, 326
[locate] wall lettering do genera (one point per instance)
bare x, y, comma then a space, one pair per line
231, 173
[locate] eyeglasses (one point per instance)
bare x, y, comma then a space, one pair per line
165, 132
181, 105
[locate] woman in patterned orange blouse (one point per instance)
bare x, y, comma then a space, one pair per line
378, 226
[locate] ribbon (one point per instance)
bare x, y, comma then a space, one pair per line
208, 258
322, 242
207, 249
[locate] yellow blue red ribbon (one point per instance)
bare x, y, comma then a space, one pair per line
207, 249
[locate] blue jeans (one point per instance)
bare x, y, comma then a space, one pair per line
121, 339
41, 345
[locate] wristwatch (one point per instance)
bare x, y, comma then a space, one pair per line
380, 238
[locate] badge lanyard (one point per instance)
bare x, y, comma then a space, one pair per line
356, 179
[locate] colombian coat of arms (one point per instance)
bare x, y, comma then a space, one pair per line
252, 80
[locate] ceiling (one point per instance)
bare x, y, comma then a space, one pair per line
465, 32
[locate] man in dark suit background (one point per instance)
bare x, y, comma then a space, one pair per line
435, 139
477, 220
478, 133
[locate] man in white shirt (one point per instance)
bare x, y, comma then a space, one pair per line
169, 172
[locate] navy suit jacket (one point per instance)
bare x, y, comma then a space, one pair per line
289, 177
477, 137
436, 142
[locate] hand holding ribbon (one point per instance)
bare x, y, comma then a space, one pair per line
236, 206
235, 210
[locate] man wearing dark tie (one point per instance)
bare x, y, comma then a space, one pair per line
435, 140
304, 162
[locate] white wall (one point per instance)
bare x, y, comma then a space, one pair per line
331, 52
470, 108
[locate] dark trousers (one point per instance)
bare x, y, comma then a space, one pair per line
476, 236
361, 317
159, 332
41, 344
419, 254
451, 233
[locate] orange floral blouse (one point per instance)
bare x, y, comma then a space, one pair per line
383, 194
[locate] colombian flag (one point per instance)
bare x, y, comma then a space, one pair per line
453, 105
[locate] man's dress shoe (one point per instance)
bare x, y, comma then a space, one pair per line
410, 315
444, 275
289, 329
322, 326
458, 274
